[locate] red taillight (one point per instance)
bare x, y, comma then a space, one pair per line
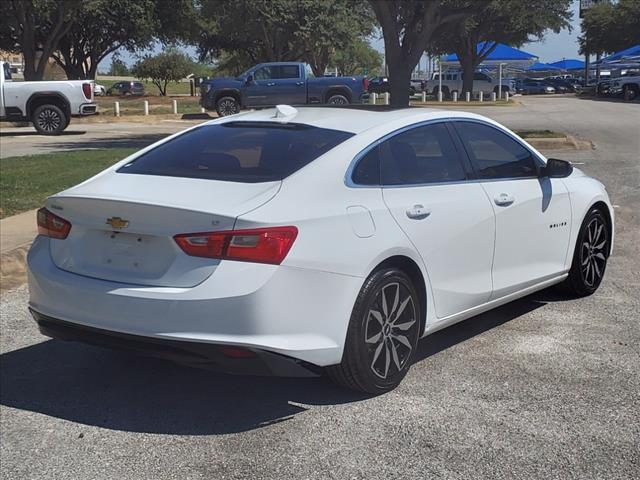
51, 225
365, 83
86, 89
261, 245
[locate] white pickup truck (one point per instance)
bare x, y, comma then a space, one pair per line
452, 82
48, 105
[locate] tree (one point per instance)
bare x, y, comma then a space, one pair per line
359, 58
608, 28
324, 27
168, 66
491, 22
253, 31
35, 28
102, 27
118, 68
408, 27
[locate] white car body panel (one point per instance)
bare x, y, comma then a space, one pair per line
302, 307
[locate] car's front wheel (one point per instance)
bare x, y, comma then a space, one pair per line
49, 120
382, 336
227, 106
590, 255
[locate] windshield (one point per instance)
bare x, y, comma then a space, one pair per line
248, 152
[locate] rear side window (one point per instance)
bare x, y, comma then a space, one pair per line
248, 152
289, 71
421, 155
136, 84
494, 154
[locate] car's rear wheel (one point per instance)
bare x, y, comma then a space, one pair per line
382, 336
49, 120
227, 106
338, 99
590, 255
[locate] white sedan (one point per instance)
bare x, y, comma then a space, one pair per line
295, 241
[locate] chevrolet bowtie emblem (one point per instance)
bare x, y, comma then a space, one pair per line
117, 223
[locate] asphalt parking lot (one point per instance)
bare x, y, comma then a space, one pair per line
545, 387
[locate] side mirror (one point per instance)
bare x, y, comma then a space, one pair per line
249, 79
556, 168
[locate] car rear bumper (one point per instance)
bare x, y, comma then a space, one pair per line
295, 312
88, 109
210, 356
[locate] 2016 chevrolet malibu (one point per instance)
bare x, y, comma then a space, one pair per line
291, 241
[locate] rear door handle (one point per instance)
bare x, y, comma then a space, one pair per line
504, 199
271, 84
299, 84
418, 212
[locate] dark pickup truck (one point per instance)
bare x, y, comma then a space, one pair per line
276, 83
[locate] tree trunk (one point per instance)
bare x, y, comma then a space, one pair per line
399, 78
468, 69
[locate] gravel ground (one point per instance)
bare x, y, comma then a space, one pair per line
542, 388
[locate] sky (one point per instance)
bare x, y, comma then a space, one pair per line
552, 48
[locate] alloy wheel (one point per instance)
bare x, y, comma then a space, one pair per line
593, 258
49, 120
338, 100
391, 329
228, 107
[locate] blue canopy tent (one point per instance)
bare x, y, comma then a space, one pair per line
542, 67
568, 64
502, 54
631, 53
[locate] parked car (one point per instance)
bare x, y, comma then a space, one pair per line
452, 81
561, 85
99, 90
126, 88
529, 86
627, 85
382, 85
48, 105
294, 241
275, 83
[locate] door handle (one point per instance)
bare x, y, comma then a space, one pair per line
418, 212
299, 84
504, 200
271, 84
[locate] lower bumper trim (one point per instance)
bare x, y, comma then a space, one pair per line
198, 354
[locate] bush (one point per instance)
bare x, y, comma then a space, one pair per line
169, 66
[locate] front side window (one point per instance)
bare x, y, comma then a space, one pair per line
494, 154
263, 73
248, 152
421, 155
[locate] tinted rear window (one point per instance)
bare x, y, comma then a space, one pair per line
247, 152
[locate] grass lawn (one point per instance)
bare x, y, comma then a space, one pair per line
157, 105
25, 182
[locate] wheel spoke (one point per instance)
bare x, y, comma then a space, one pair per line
396, 299
385, 308
387, 360
376, 354
600, 246
404, 326
377, 315
596, 269
375, 338
598, 232
403, 305
600, 256
394, 352
585, 261
403, 340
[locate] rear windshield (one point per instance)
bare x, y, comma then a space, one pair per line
248, 152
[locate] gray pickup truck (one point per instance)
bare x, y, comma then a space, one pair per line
275, 83
48, 105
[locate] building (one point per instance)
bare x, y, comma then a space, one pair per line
14, 59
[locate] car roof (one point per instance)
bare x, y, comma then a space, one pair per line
350, 119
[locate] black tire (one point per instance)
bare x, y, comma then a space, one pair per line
227, 106
378, 352
590, 255
338, 99
49, 120
629, 92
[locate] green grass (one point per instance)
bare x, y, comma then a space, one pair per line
25, 182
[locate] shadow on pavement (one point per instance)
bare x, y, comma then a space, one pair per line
9, 133
131, 141
119, 391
